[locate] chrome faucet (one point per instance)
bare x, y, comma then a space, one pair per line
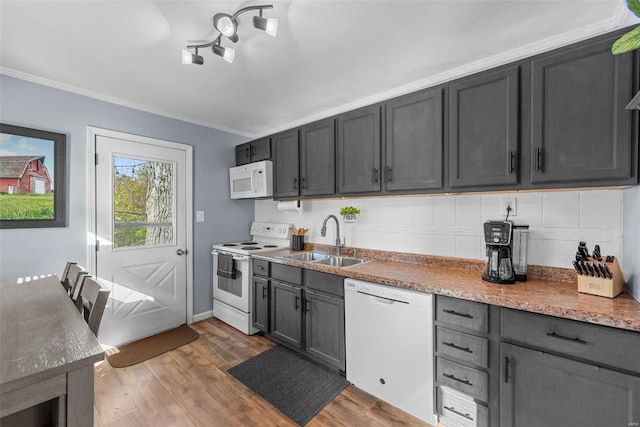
323, 231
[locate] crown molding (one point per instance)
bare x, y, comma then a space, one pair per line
532, 49
112, 100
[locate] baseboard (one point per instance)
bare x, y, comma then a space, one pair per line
201, 316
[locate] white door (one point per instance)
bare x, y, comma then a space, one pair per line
38, 186
141, 228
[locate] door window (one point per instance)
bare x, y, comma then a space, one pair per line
143, 202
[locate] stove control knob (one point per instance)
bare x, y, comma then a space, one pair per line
496, 240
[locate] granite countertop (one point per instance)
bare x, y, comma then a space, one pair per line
551, 291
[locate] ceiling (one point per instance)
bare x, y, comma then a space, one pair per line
328, 56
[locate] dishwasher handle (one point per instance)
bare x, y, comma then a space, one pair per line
382, 300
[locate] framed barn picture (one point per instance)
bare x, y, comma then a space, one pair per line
32, 178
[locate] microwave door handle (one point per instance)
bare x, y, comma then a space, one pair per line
253, 180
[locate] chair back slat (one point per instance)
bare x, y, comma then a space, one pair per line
73, 278
93, 300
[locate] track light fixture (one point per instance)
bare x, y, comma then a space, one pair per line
227, 26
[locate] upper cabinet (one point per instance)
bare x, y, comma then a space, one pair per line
317, 159
580, 129
483, 129
286, 177
414, 141
359, 151
254, 151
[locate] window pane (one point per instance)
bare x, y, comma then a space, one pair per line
142, 203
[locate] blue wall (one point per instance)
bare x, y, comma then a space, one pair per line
631, 240
40, 251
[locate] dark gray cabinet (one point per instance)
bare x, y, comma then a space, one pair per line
254, 151
260, 310
559, 372
484, 129
580, 129
324, 328
414, 141
359, 151
318, 159
286, 181
541, 389
286, 313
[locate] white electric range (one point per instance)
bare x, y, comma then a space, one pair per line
233, 293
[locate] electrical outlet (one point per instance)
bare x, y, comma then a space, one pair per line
509, 202
199, 216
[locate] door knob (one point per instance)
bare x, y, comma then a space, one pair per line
181, 252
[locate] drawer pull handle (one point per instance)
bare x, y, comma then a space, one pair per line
455, 313
576, 340
453, 409
457, 347
453, 377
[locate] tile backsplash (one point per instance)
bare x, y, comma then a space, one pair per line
451, 225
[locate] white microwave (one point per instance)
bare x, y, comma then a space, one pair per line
251, 181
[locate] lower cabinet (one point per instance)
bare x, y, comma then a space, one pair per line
302, 309
540, 389
286, 313
261, 304
324, 331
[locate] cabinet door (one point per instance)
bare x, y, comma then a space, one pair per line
413, 144
538, 389
359, 150
285, 167
318, 159
286, 313
243, 154
261, 150
483, 130
325, 329
580, 127
261, 304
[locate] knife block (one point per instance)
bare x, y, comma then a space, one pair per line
609, 288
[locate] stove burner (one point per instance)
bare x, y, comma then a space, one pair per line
270, 246
250, 248
249, 243
229, 244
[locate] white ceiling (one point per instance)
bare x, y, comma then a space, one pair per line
328, 57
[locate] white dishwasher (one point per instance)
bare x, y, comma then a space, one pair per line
389, 345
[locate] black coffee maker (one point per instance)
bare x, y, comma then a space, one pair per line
497, 236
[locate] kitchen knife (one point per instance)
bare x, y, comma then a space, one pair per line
606, 268
592, 271
583, 267
582, 248
577, 267
596, 253
579, 257
603, 272
609, 258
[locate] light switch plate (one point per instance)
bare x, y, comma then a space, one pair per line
199, 216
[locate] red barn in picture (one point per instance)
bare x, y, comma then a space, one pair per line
24, 174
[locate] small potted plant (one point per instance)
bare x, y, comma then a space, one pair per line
349, 213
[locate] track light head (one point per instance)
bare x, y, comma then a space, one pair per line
191, 58
226, 53
226, 24
268, 25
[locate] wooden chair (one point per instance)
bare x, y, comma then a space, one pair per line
92, 299
71, 277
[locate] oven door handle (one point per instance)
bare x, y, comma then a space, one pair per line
241, 258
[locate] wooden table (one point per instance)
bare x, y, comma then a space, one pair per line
46, 352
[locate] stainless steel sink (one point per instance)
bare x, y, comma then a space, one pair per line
325, 259
341, 261
307, 256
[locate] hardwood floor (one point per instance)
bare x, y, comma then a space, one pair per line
190, 386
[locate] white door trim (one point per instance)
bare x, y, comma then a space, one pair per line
92, 133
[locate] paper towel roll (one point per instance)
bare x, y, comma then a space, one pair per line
294, 206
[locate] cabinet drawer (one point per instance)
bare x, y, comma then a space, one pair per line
608, 346
464, 347
465, 314
462, 378
324, 282
261, 267
286, 273
456, 409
